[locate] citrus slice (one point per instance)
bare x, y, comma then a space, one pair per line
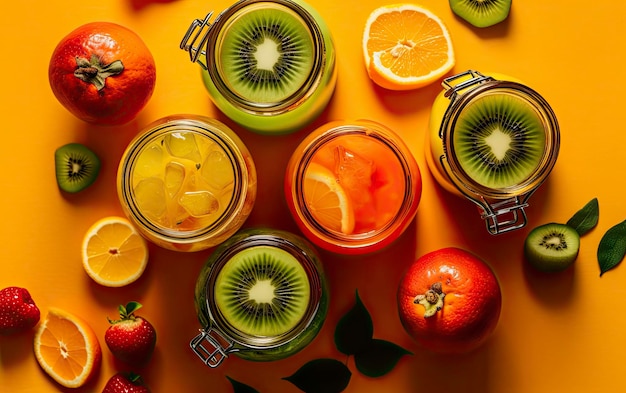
114, 254
327, 200
406, 47
67, 348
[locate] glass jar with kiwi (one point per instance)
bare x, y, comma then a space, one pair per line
187, 182
352, 187
268, 65
261, 296
493, 140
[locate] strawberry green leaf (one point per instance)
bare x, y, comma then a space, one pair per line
586, 218
321, 376
379, 358
612, 247
354, 330
239, 387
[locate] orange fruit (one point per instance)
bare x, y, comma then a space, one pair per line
113, 252
103, 73
327, 201
449, 301
406, 47
67, 348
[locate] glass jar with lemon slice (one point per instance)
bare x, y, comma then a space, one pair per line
353, 187
187, 182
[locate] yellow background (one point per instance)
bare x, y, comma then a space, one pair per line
563, 333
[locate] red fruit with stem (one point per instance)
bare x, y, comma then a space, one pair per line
125, 383
131, 339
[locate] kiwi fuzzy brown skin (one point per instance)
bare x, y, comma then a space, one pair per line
481, 13
552, 247
76, 166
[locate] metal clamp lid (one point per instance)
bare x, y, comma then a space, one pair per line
198, 30
217, 348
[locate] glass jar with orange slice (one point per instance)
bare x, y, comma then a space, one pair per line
187, 182
353, 187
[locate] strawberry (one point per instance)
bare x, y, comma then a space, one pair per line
131, 339
18, 311
125, 383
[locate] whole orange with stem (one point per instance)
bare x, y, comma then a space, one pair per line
103, 73
449, 301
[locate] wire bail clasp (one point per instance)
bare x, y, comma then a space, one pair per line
198, 30
217, 349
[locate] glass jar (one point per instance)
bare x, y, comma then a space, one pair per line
352, 187
241, 267
501, 205
187, 182
302, 99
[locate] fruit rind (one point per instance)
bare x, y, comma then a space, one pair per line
461, 9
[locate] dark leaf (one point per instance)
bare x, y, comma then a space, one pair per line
239, 387
586, 218
379, 358
321, 376
612, 247
354, 330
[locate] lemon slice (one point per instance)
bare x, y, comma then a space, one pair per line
114, 254
327, 200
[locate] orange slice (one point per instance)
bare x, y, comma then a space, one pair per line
67, 348
327, 200
406, 47
113, 252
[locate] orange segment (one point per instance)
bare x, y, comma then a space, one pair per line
67, 348
327, 200
114, 254
406, 47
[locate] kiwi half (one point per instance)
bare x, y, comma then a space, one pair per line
77, 167
267, 54
552, 247
499, 140
262, 291
481, 13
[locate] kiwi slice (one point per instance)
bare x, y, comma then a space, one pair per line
77, 167
267, 54
499, 140
552, 247
262, 291
481, 13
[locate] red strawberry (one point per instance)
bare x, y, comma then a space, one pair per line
131, 339
125, 383
18, 311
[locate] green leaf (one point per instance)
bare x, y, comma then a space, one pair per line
354, 330
612, 247
239, 387
379, 358
321, 376
586, 218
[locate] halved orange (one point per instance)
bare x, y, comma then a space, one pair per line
67, 348
114, 254
406, 46
327, 200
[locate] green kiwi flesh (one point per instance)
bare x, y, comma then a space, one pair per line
552, 247
77, 167
499, 140
481, 13
262, 291
267, 54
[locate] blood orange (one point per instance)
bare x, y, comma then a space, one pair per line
449, 301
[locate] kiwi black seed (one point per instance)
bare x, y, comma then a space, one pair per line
552, 247
481, 13
267, 55
77, 167
499, 140
262, 291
